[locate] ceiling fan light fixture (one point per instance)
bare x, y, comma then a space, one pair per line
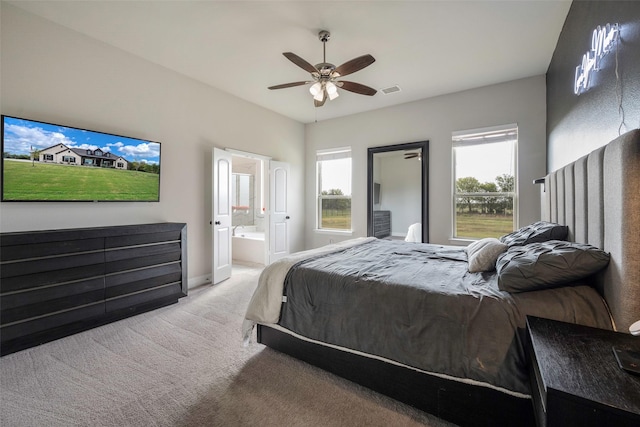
332, 91
315, 89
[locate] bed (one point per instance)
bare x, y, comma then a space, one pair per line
411, 321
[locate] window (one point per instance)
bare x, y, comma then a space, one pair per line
484, 182
47, 157
333, 169
120, 165
68, 159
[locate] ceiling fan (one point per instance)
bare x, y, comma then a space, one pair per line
325, 76
413, 155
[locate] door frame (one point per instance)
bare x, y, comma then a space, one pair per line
266, 160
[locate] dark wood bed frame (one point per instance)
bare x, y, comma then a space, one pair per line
574, 195
461, 403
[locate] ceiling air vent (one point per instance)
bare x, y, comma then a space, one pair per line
391, 89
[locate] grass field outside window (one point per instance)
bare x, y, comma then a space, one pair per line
479, 226
336, 220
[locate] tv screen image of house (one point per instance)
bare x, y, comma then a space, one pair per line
48, 162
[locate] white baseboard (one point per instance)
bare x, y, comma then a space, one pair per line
197, 281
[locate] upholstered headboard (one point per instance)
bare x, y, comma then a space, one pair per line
598, 197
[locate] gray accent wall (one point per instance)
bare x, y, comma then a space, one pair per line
577, 125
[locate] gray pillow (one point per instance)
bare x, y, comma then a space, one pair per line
547, 264
482, 254
540, 231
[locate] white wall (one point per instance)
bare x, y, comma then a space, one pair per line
521, 101
53, 74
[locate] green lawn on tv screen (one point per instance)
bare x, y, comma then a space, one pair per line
41, 181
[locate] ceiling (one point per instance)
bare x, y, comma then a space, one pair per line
427, 48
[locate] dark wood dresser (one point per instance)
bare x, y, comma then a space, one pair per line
59, 282
381, 224
575, 377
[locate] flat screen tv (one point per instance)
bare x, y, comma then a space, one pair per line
49, 162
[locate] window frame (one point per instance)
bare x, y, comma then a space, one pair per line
326, 155
473, 137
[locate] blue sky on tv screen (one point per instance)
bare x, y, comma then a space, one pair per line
22, 136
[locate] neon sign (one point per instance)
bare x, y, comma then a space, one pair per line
602, 41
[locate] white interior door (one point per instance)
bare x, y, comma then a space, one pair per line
221, 212
279, 217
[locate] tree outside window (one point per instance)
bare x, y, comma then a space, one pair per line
484, 193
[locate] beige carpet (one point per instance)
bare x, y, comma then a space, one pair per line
184, 365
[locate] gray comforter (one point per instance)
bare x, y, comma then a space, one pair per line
417, 304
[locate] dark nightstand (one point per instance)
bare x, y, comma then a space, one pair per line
575, 378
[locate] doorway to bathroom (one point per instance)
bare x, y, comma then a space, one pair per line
249, 209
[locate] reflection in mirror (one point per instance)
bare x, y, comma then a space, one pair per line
397, 191
242, 202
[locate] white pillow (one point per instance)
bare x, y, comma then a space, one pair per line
483, 254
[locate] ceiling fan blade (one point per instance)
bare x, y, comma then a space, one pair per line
300, 62
355, 64
286, 85
356, 88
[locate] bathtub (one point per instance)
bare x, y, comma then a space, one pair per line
248, 245
253, 235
